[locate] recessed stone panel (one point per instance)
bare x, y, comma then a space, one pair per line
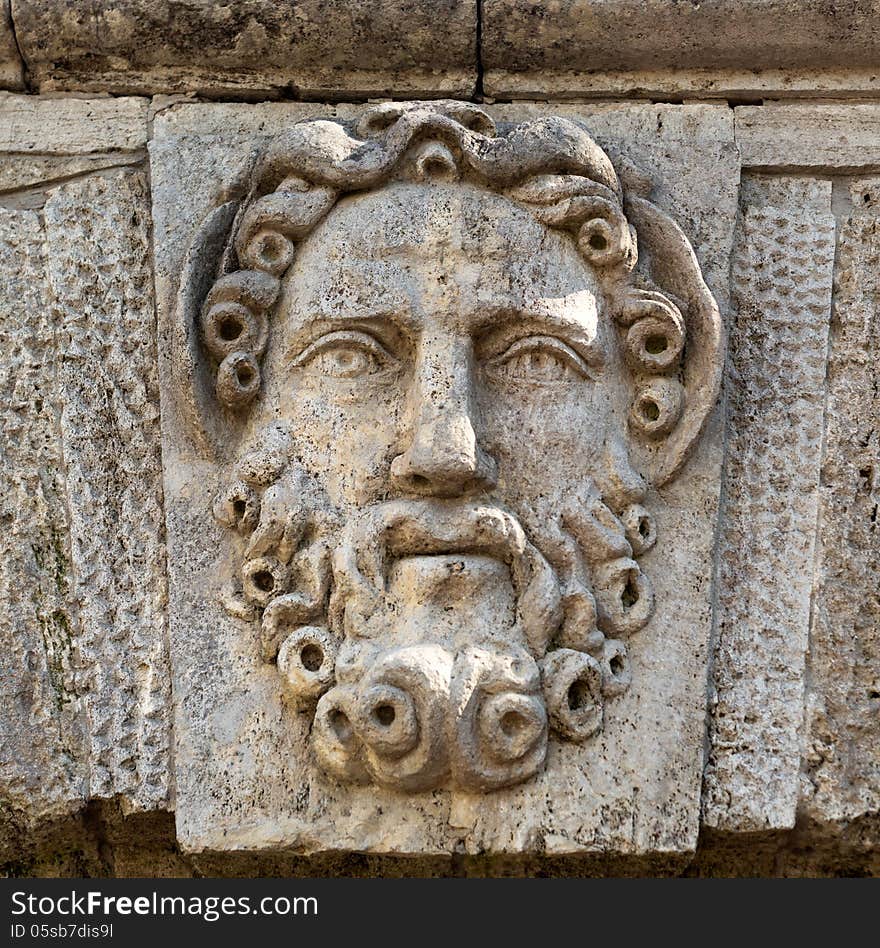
83, 568
842, 757
441, 472
781, 279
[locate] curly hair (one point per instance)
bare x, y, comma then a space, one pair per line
550, 166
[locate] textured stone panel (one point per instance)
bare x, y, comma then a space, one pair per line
43, 769
82, 613
244, 772
843, 735
101, 284
374, 47
819, 135
781, 281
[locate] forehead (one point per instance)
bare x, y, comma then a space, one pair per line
414, 246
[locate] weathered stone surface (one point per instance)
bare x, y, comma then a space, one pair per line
47, 126
842, 767
685, 157
842, 136
11, 67
23, 172
581, 47
781, 280
102, 298
312, 48
44, 141
43, 765
85, 677
253, 771
689, 86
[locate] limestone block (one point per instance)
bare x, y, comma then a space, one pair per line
47, 126
843, 732
43, 770
411, 555
631, 47
819, 135
254, 48
101, 280
11, 73
86, 682
781, 277
20, 173
44, 141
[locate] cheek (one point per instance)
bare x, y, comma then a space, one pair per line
346, 437
547, 438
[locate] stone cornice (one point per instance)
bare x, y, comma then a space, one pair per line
319, 49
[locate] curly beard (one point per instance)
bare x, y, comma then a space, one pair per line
437, 641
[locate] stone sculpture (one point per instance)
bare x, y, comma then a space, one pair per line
440, 365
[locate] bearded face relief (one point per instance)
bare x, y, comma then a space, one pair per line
446, 384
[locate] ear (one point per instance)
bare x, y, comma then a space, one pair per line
193, 382
674, 268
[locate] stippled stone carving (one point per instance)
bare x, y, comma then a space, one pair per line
84, 679
438, 367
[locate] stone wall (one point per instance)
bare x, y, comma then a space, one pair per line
754, 125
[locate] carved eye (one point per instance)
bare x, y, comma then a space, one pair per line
346, 355
540, 359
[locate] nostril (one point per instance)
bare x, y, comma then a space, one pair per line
385, 714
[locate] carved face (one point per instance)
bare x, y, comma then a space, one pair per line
435, 340
443, 404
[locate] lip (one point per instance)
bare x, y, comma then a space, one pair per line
425, 528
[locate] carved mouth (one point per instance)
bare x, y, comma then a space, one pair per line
466, 530
487, 541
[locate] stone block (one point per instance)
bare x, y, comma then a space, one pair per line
85, 678
46, 126
251, 49
11, 68
430, 732
781, 280
629, 47
44, 772
819, 135
842, 759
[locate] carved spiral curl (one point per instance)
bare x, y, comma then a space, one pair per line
616, 672
657, 407
238, 507
653, 347
235, 331
500, 721
307, 660
640, 527
391, 726
264, 578
573, 692
624, 596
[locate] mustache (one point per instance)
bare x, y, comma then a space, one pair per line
402, 528
381, 534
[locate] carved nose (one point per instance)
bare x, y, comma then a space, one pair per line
444, 459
